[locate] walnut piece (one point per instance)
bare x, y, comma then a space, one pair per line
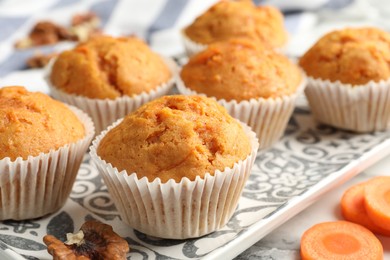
39, 60
94, 241
43, 33
83, 26
77, 238
88, 17
46, 32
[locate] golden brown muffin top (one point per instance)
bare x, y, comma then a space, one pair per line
239, 19
107, 67
353, 56
240, 70
32, 122
174, 137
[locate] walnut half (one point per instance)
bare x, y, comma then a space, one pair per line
94, 241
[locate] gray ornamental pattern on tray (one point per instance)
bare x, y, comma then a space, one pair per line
306, 155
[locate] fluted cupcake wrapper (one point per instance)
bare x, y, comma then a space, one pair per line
176, 210
106, 111
190, 46
193, 48
268, 118
363, 108
41, 184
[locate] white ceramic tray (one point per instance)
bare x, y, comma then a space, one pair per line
309, 161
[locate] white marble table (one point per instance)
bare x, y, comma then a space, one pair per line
284, 242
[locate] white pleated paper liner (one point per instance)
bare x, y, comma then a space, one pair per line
363, 108
268, 118
176, 210
190, 46
193, 48
41, 184
106, 111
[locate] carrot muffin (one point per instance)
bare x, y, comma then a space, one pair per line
107, 67
241, 70
33, 123
42, 143
351, 56
109, 77
349, 72
238, 19
256, 85
176, 166
175, 137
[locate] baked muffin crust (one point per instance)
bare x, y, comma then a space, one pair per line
107, 67
32, 122
240, 70
352, 56
233, 19
174, 137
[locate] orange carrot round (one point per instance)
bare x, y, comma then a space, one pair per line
353, 209
377, 201
340, 240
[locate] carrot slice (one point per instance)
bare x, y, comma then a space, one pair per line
340, 240
377, 201
353, 208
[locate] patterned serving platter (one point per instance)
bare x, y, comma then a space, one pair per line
309, 161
